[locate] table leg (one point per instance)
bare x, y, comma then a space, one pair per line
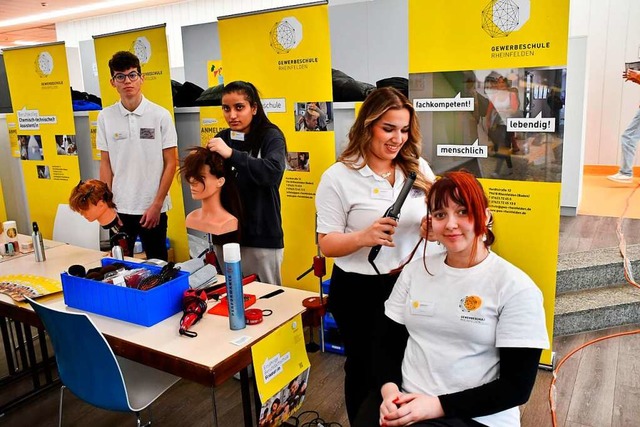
214, 407
31, 354
246, 397
30, 366
21, 348
8, 348
45, 357
256, 398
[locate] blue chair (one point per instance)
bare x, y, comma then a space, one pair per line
90, 369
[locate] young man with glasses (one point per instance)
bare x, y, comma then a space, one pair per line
138, 141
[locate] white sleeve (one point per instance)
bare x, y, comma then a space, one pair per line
168, 130
332, 213
522, 320
395, 306
101, 138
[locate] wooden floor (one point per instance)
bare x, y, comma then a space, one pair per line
598, 387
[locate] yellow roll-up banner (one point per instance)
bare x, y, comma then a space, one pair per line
12, 126
150, 46
41, 97
211, 122
93, 132
488, 82
3, 210
289, 61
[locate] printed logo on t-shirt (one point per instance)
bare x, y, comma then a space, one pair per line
381, 193
469, 304
147, 133
415, 193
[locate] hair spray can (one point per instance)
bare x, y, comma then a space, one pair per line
233, 277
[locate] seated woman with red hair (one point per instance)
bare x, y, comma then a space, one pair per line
464, 329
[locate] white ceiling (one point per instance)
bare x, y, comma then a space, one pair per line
43, 30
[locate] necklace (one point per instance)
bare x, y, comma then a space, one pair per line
386, 174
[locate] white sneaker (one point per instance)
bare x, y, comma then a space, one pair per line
620, 178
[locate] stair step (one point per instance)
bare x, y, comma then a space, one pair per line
594, 269
594, 309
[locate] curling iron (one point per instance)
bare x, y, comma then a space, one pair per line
393, 212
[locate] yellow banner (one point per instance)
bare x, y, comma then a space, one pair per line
3, 211
214, 73
488, 83
93, 132
289, 61
150, 46
527, 224
211, 122
280, 361
41, 95
12, 126
486, 34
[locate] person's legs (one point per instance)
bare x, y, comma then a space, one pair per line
357, 303
629, 142
131, 227
265, 262
154, 240
369, 413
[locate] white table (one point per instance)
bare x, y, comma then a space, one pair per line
209, 359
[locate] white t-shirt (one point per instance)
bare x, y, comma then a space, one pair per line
458, 319
135, 140
349, 200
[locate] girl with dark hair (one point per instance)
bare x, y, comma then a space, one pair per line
214, 184
256, 150
464, 329
352, 197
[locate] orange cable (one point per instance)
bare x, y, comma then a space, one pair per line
628, 275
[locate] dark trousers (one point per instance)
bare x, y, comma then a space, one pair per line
357, 304
369, 416
153, 240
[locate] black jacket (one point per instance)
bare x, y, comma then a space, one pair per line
258, 180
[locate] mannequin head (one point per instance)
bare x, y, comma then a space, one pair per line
93, 200
204, 171
209, 177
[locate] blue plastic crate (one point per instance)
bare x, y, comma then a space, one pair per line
329, 321
333, 348
144, 308
325, 286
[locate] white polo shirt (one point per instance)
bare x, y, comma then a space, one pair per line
349, 200
135, 140
458, 318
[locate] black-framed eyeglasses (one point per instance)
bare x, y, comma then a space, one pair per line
121, 77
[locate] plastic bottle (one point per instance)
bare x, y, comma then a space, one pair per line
38, 243
233, 277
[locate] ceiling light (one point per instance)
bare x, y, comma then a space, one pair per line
47, 16
25, 43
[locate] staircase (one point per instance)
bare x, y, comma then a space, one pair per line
591, 292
